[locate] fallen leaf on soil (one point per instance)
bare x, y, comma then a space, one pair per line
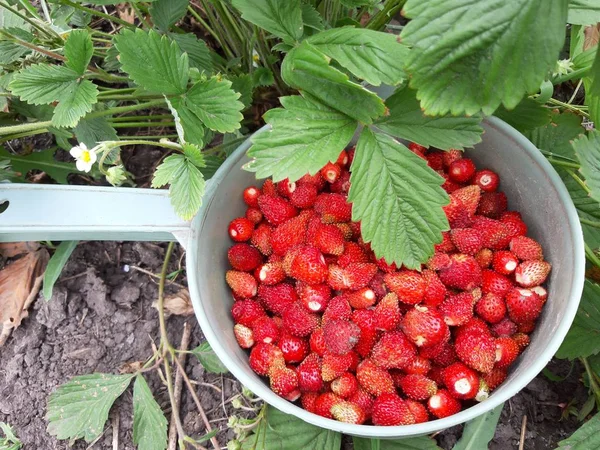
20, 283
179, 304
12, 249
131, 367
126, 13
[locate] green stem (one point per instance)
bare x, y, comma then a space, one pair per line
150, 117
160, 136
561, 163
22, 43
570, 76
590, 223
30, 8
16, 12
553, 101
592, 378
22, 135
201, 21
143, 124
390, 8
101, 33
105, 41
140, 16
24, 127
98, 13
125, 97
591, 256
580, 182
117, 91
169, 145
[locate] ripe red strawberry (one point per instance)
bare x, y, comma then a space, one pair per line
254, 215
507, 351
439, 261
333, 208
363, 399
526, 327
416, 148
314, 297
316, 180
435, 291
541, 292
526, 248
309, 374
345, 386
348, 412
275, 209
304, 196
523, 305
265, 356
491, 308
246, 312
467, 240
261, 239
298, 321
393, 351
271, 273
251, 194
461, 381
435, 160
418, 410
331, 172
424, 326
495, 378
241, 283
240, 229
308, 400
457, 309
294, 349
343, 159
384, 266
353, 253
532, 273
442, 404
308, 265
354, 276
269, 188
446, 246
463, 273
435, 374
363, 298
492, 204
317, 342
449, 186
284, 381
505, 327
346, 230
329, 239
285, 187
243, 335
469, 197
476, 350
496, 234
461, 170
495, 283
365, 319
514, 224
265, 329
419, 366
289, 234
450, 156
340, 336
418, 387
342, 184
487, 180
389, 409
521, 339
456, 213
324, 404
335, 366
387, 313
504, 262
408, 285
244, 257
445, 355
278, 298
374, 379
475, 325
484, 258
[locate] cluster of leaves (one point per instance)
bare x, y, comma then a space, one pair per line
9, 441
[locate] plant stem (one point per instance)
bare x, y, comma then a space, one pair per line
576, 91
553, 101
169, 145
97, 13
561, 163
151, 117
590, 223
201, 21
160, 136
22, 43
22, 135
390, 8
592, 378
142, 124
117, 91
591, 255
30, 8
16, 12
125, 97
580, 182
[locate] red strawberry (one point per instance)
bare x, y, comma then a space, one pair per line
363, 399
521, 339
461, 381
418, 387
348, 412
495, 378
285, 188
335, 366
435, 291
408, 285
463, 273
373, 378
269, 188
244, 257
343, 159
345, 386
418, 410
241, 283
265, 329
316, 180
542, 292
476, 350
254, 215
457, 309
261, 239
304, 196
424, 326
317, 342
449, 186
353, 253
284, 381
353, 277
496, 234
246, 312
389, 409
495, 283
523, 305
387, 313
324, 404
526, 327
271, 273
278, 298
487, 180
467, 240
469, 198
314, 297
340, 336
419, 366
436, 374
507, 351
491, 308
309, 374
450, 156
456, 213
526, 248
435, 160
329, 239
331, 172
265, 356
333, 208
532, 273
393, 351
298, 321
294, 349
461, 170
445, 356
275, 209
363, 298
475, 325
504, 262
309, 400
342, 184
442, 404
289, 234
365, 319
492, 204
446, 246
251, 194
243, 335
308, 265
484, 258
346, 230
240, 229
416, 148
505, 327
514, 225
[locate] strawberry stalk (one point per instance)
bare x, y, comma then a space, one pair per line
593, 380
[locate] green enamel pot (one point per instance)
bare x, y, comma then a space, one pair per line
533, 187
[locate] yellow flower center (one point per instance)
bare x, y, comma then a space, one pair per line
85, 156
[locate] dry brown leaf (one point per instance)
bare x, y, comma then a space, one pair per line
179, 304
131, 367
12, 249
20, 283
126, 13
592, 36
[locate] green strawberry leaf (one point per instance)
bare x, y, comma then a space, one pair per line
308, 70
587, 149
585, 438
198, 52
502, 51
79, 50
584, 12
154, 62
189, 128
406, 120
313, 21
373, 56
79, 408
166, 13
556, 137
527, 115
244, 85
398, 199
42, 84
9, 52
93, 131
418, 443
56, 265
208, 358
75, 103
149, 422
594, 89
478, 432
282, 18
306, 135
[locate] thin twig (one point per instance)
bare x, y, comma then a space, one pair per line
185, 342
523, 429
115, 430
153, 275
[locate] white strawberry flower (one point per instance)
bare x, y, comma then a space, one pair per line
255, 58
84, 157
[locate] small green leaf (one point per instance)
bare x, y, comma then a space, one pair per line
594, 89
79, 50
311, 18
556, 136
527, 115
198, 52
8, 19
209, 360
149, 422
42, 160
10, 441
492, 51
306, 135
283, 432
398, 199
93, 131
56, 265
407, 121
418, 443
243, 84
308, 70
587, 408
77, 100
166, 13
166, 171
262, 77
79, 408
282, 18
189, 128
583, 339
42, 84
373, 56
154, 62
10, 53
194, 154
587, 149
478, 433
585, 438
584, 12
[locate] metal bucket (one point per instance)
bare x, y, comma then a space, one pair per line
532, 185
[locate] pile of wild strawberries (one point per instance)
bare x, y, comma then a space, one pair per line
357, 339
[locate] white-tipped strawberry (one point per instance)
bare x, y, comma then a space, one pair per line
331, 172
541, 292
243, 335
271, 273
505, 262
532, 273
